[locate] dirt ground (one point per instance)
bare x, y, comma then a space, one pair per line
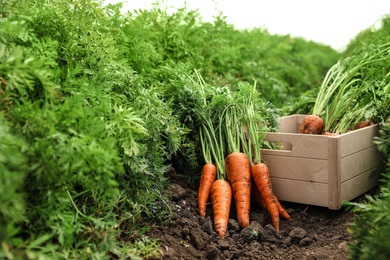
312, 233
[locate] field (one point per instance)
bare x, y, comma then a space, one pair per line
107, 119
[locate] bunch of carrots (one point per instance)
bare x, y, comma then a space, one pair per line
234, 170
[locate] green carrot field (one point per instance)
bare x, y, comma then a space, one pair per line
96, 105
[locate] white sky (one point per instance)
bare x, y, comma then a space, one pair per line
332, 22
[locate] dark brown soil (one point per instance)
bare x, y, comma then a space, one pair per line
312, 233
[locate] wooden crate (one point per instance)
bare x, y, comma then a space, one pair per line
322, 170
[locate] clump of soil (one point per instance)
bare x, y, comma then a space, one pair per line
312, 233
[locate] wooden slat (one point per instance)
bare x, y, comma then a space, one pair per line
304, 169
357, 140
304, 146
291, 124
359, 185
301, 191
359, 162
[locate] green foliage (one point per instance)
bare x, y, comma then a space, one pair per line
375, 75
378, 33
93, 162
383, 140
371, 226
281, 65
95, 105
302, 105
354, 89
12, 168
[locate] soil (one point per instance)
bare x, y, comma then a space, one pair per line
312, 233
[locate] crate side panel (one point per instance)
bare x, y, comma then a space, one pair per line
300, 191
357, 140
359, 185
296, 168
359, 162
291, 124
301, 145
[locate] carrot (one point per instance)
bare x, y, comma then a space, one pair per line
209, 171
364, 123
312, 124
237, 164
252, 144
282, 212
221, 198
238, 174
256, 195
209, 174
213, 148
221, 191
260, 175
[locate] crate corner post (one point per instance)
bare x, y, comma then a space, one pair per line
334, 173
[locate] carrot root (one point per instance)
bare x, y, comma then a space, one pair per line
312, 124
258, 199
221, 198
209, 174
260, 175
256, 195
238, 173
364, 123
282, 212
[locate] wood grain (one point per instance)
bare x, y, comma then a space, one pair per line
304, 192
321, 170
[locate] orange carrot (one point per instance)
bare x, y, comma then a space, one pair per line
238, 174
282, 212
364, 123
221, 198
209, 174
256, 195
221, 191
251, 145
312, 124
260, 175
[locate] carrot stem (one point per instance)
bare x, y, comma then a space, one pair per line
216, 148
337, 101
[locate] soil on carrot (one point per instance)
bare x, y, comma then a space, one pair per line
312, 233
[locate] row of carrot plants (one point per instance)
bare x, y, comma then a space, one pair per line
95, 107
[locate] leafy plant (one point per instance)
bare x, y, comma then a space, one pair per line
12, 205
352, 89
96, 105
371, 224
